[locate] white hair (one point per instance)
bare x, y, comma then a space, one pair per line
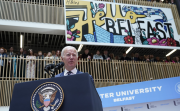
62, 52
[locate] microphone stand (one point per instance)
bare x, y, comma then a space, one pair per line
51, 74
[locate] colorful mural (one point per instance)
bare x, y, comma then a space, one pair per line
100, 22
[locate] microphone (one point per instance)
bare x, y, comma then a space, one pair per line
53, 66
49, 67
59, 65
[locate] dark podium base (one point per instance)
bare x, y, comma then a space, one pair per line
79, 94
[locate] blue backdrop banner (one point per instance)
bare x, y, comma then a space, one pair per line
141, 92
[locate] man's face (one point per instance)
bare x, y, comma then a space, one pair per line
157, 58
53, 52
11, 49
97, 52
2, 51
151, 56
177, 58
70, 58
21, 50
124, 54
105, 52
147, 56
58, 53
136, 55
86, 51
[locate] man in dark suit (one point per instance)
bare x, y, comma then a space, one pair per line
152, 59
12, 62
2, 61
69, 56
124, 57
105, 55
11, 53
86, 54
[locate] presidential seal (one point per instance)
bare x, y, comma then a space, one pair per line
177, 87
48, 96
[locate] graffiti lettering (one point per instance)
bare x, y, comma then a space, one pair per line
112, 26
96, 21
72, 2
149, 27
168, 26
108, 26
98, 17
157, 27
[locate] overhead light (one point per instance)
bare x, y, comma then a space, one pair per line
80, 47
21, 41
171, 52
129, 50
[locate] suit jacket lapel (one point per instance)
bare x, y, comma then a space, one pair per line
78, 71
62, 74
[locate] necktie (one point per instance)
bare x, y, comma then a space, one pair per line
69, 73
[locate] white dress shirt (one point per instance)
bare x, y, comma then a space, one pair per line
74, 71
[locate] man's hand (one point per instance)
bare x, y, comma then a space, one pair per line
108, 58
89, 57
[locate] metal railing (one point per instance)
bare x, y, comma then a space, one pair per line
105, 73
32, 68
42, 12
